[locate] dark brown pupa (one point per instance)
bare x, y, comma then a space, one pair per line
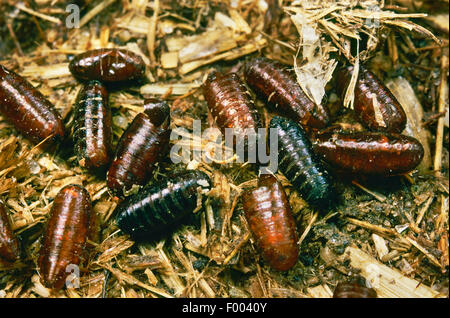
93, 126
374, 104
353, 290
9, 243
65, 236
369, 153
273, 82
301, 166
107, 65
229, 103
144, 143
158, 207
270, 219
27, 109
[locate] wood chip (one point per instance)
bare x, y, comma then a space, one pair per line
380, 245
169, 60
320, 291
404, 93
230, 55
54, 20
134, 281
375, 194
161, 89
206, 45
96, 10
443, 102
388, 282
424, 251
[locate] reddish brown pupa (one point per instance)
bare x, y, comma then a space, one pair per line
27, 109
229, 103
93, 126
374, 103
273, 82
107, 65
65, 236
353, 290
9, 244
270, 219
142, 145
370, 153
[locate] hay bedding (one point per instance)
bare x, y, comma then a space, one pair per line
394, 234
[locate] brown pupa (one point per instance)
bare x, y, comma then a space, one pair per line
65, 236
374, 104
27, 109
270, 219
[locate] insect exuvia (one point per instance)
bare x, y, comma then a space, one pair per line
65, 236
27, 109
107, 65
144, 143
277, 85
92, 126
370, 153
374, 104
158, 207
300, 165
270, 219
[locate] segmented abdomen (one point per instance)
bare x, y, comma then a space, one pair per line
93, 126
374, 103
229, 102
274, 83
142, 145
156, 208
353, 290
270, 219
27, 109
9, 244
370, 153
300, 165
107, 65
65, 236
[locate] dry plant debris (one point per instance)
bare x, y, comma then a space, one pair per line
384, 231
